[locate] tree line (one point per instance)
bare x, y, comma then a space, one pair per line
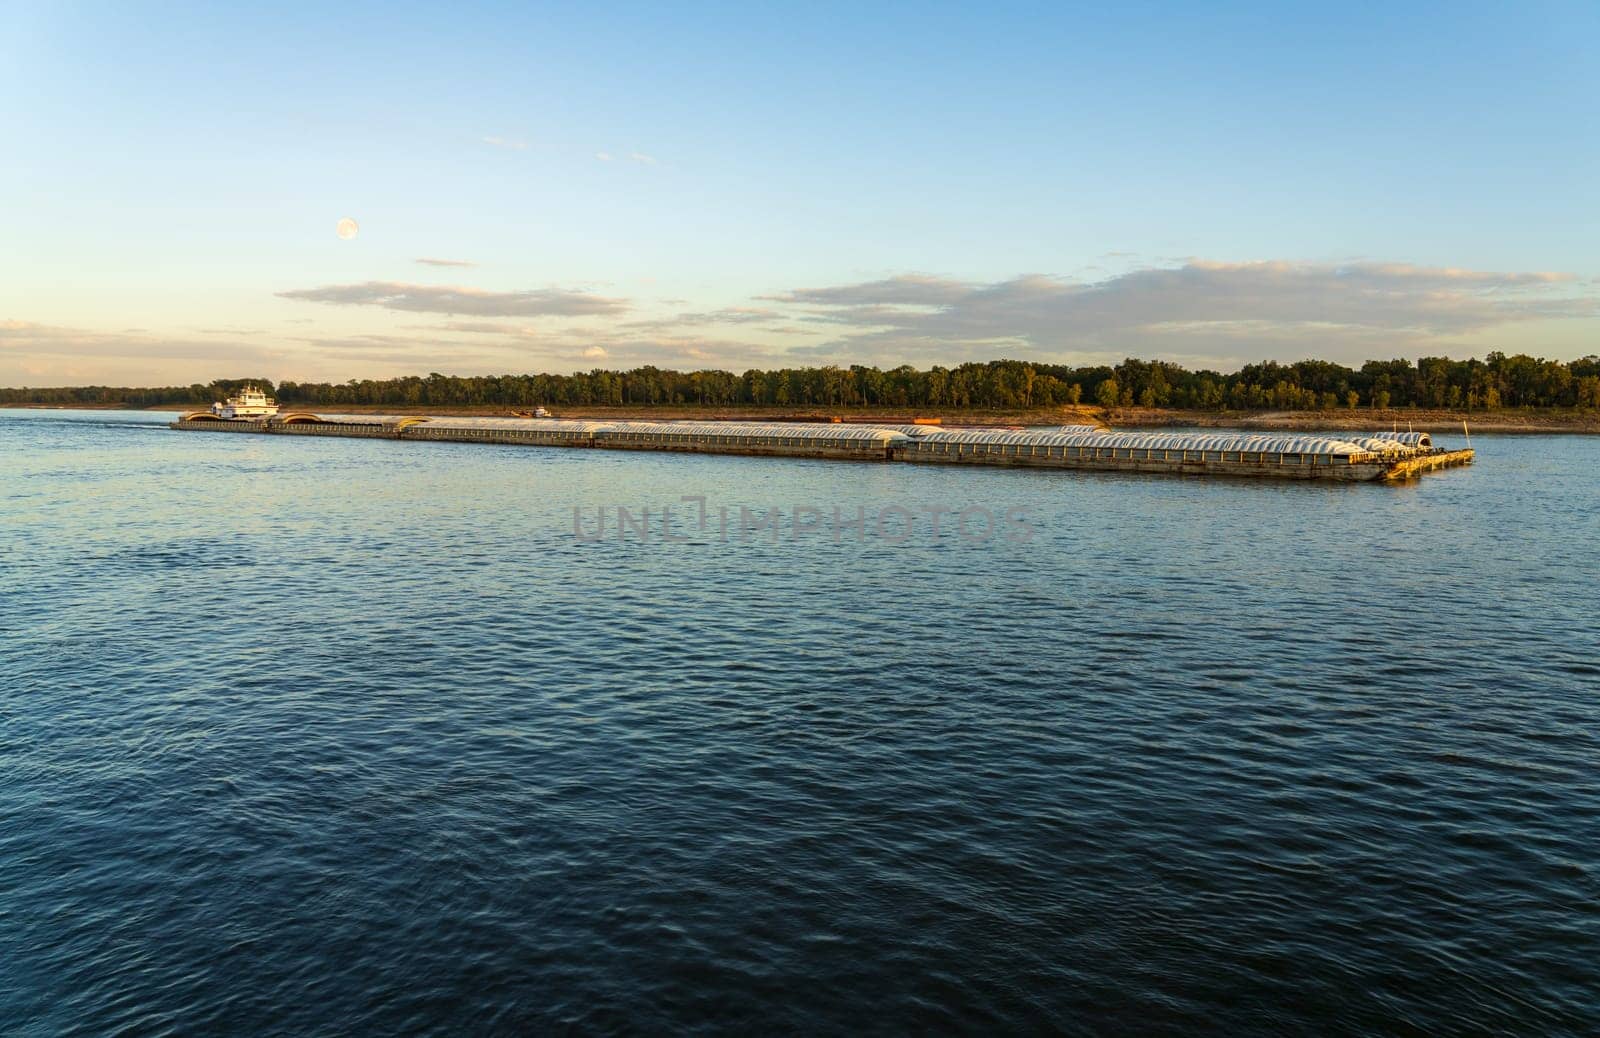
1497, 381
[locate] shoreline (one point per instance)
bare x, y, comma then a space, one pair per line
1361, 419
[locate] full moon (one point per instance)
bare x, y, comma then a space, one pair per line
347, 229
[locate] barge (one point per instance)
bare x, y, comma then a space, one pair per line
1375, 457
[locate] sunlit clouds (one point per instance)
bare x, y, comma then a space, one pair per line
1200, 313
1200, 309
446, 299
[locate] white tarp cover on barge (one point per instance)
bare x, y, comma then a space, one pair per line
753, 433
291, 417
1384, 445
1345, 457
916, 438
549, 425
1410, 439
532, 431
756, 433
1230, 442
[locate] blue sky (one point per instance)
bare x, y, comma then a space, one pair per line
715, 185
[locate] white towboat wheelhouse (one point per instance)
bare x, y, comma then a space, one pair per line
250, 403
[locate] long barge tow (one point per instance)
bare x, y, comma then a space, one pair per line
1374, 457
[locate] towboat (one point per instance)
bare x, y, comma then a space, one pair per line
250, 403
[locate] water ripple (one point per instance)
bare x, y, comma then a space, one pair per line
339, 736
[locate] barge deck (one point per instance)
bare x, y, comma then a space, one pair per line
1379, 457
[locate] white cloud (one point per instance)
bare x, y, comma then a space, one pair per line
446, 299
36, 353
477, 328
603, 156
431, 261
642, 159
405, 353
1196, 312
726, 315
904, 290
1252, 310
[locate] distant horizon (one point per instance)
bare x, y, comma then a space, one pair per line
1587, 359
1500, 380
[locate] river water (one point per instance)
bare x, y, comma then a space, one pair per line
306, 735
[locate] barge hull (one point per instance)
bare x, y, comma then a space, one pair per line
1411, 468
1359, 472
1369, 468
